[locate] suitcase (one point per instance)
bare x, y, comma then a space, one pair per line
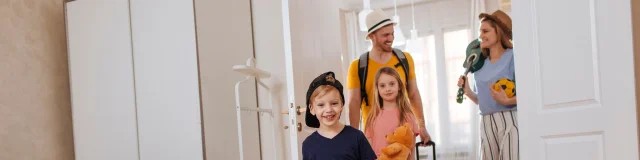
430, 143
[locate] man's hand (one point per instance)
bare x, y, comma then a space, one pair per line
424, 136
416, 101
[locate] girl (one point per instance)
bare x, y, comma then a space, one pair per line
499, 128
332, 140
390, 109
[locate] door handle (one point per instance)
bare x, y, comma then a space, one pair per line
298, 126
298, 110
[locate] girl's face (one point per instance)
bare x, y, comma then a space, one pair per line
488, 35
388, 87
327, 108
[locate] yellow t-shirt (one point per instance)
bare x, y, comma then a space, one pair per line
353, 81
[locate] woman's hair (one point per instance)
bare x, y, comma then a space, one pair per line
503, 38
321, 91
402, 99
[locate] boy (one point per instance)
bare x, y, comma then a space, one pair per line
332, 140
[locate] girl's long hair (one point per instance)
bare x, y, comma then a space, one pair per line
402, 99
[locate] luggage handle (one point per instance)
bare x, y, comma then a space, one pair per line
429, 143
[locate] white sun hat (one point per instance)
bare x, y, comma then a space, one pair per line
376, 20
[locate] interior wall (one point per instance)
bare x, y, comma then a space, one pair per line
635, 18
224, 37
492, 5
35, 109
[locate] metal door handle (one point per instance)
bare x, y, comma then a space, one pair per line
299, 110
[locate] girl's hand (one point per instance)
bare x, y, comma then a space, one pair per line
499, 95
461, 80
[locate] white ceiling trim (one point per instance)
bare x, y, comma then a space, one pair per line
356, 5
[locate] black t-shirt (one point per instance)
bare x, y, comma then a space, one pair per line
350, 143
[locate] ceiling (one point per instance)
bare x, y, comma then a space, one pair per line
357, 4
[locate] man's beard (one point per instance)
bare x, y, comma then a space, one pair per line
384, 47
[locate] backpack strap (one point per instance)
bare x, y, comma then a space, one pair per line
405, 64
363, 66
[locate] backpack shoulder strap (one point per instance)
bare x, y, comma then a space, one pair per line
363, 66
404, 62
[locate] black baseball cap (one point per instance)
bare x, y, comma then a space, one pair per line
327, 78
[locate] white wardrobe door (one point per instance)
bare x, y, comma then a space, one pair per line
101, 75
166, 80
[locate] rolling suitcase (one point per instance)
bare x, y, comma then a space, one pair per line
430, 143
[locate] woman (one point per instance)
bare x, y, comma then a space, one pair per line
499, 128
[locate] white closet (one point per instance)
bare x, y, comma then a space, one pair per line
134, 80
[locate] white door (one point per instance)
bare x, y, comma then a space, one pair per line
315, 49
102, 80
574, 69
167, 88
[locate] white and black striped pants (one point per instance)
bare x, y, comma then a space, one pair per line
499, 133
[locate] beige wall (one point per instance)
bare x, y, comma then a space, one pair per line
35, 110
635, 17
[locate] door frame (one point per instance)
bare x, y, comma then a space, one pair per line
635, 19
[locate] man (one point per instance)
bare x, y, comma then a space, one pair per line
381, 55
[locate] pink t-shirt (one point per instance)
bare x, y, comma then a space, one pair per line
387, 122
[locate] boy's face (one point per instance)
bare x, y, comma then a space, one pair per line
327, 108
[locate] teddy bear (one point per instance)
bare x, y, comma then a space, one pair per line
400, 144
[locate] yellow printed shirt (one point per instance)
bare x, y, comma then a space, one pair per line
353, 81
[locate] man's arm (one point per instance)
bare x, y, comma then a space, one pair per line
354, 107
416, 102
353, 95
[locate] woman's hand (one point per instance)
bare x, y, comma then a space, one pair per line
467, 90
462, 80
499, 95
